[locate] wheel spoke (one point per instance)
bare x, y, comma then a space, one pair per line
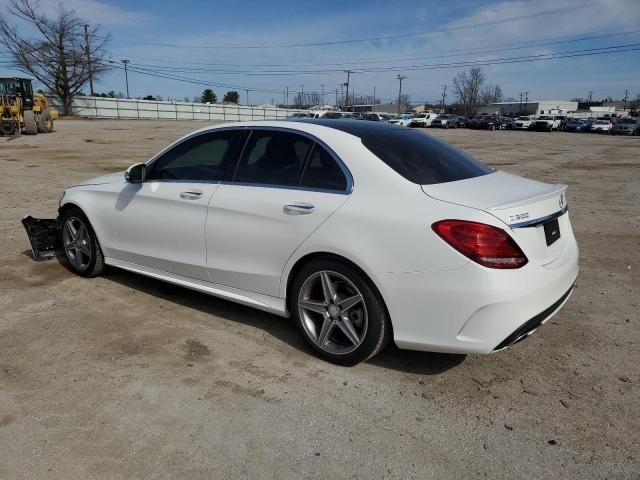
347, 328
72, 229
328, 289
81, 234
327, 327
350, 302
317, 307
84, 249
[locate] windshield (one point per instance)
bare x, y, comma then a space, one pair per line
9, 87
523, 118
602, 122
628, 120
545, 117
422, 159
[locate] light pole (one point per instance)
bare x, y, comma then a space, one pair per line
126, 75
401, 78
444, 94
301, 95
323, 101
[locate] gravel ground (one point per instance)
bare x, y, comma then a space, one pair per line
126, 377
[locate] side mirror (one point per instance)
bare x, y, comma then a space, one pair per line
136, 173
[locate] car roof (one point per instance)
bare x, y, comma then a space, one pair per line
357, 128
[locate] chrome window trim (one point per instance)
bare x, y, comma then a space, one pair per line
538, 221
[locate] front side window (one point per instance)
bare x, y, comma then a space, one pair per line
205, 157
273, 158
323, 172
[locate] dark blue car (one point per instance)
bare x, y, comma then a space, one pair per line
575, 125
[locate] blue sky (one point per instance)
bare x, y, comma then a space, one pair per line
140, 30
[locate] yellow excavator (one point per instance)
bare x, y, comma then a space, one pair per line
22, 111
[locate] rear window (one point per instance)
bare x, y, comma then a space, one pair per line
422, 159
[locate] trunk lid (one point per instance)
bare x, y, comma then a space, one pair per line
526, 206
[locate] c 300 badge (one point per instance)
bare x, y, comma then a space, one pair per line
518, 216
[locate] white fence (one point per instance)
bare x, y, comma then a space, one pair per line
121, 108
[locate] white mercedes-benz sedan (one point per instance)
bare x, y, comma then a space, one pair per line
363, 232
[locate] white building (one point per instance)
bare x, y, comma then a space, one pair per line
539, 107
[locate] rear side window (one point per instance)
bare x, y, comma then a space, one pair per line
422, 159
323, 172
200, 158
273, 158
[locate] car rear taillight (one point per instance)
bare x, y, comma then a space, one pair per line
484, 244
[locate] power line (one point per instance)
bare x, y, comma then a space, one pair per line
371, 39
378, 59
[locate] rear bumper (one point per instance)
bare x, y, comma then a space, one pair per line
473, 309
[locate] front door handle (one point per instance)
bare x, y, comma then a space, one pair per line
299, 208
191, 194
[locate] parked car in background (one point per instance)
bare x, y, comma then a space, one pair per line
404, 120
462, 122
454, 257
474, 123
378, 117
576, 125
423, 119
523, 123
627, 126
547, 123
333, 115
601, 126
495, 122
445, 121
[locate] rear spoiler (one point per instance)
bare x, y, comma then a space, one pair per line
553, 191
44, 236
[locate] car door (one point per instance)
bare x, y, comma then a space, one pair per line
160, 223
286, 184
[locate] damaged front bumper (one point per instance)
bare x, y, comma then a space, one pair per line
44, 236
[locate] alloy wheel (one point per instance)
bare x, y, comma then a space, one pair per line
77, 243
333, 312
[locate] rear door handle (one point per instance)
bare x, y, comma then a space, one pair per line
299, 208
191, 194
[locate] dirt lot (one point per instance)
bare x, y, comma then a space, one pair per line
126, 377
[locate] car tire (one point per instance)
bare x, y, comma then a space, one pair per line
80, 247
339, 312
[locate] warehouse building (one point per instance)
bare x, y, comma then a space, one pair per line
539, 107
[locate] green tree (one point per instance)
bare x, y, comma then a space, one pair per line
231, 97
208, 96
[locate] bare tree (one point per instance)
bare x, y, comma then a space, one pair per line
491, 94
467, 87
405, 102
57, 56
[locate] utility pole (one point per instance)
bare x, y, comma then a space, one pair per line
348, 72
287, 96
301, 95
88, 51
526, 99
401, 78
444, 94
323, 101
336, 98
247, 90
626, 95
373, 108
126, 75
590, 96
520, 108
